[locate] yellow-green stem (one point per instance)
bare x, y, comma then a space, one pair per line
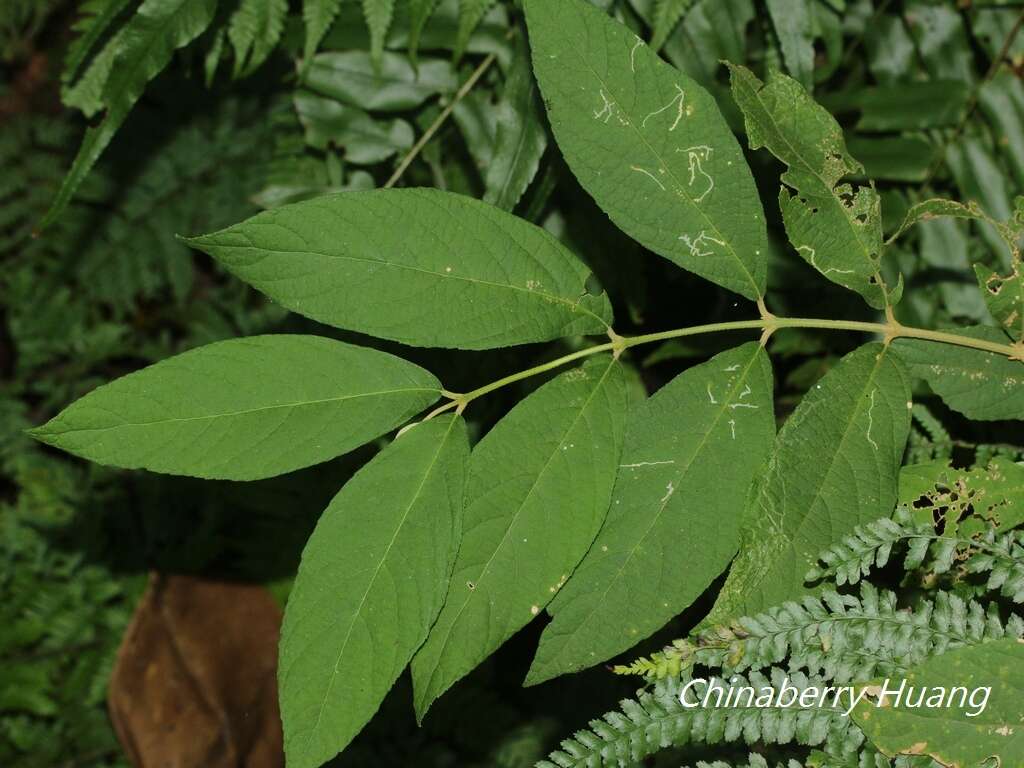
768, 324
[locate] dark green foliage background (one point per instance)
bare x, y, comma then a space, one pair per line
108, 289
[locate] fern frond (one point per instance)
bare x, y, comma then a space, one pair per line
985, 452
1002, 558
754, 761
936, 432
318, 16
254, 29
96, 19
870, 546
420, 12
656, 719
379, 15
147, 43
471, 12
667, 14
837, 637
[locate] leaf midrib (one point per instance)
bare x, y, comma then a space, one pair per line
243, 412
574, 306
373, 580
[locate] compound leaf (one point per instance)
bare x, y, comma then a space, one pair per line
975, 694
834, 466
244, 409
372, 580
145, 46
419, 266
690, 454
835, 227
979, 384
649, 144
538, 490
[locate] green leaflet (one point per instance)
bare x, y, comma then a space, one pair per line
690, 454
96, 18
979, 174
538, 490
372, 580
794, 27
470, 14
935, 208
318, 15
993, 495
392, 86
893, 158
835, 466
928, 104
254, 29
649, 144
476, 117
667, 14
1004, 296
945, 732
87, 92
145, 46
836, 228
420, 12
244, 409
981, 385
363, 140
521, 136
1001, 100
378, 14
456, 273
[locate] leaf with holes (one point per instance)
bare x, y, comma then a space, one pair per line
1004, 297
836, 227
649, 144
971, 709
